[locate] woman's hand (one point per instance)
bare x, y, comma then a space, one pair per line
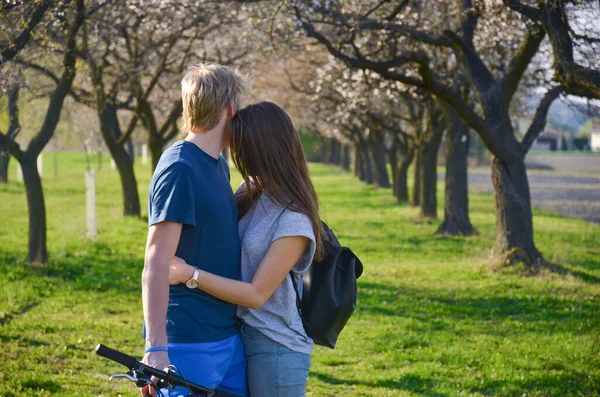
179, 271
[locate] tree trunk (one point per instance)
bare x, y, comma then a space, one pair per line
514, 221
366, 163
401, 177
363, 167
130, 149
428, 182
156, 148
4, 159
131, 199
334, 152
393, 157
456, 198
111, 133
416, 196
36, 251
346, 157
358, 161
381, 176
325, 150
429, 152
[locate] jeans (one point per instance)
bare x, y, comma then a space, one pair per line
273, 369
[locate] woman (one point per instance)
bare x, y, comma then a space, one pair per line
280, 233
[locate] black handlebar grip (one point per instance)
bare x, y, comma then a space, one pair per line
117, 356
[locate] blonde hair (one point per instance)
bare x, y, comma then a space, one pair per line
206, 90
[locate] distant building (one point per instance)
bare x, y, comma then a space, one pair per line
595, 136
547, 141
595, 141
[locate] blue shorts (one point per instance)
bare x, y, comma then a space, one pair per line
217, 365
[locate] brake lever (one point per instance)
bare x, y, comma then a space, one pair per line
126, 376
139, 381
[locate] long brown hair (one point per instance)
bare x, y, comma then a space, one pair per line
266, 149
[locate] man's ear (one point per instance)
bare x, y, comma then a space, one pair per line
230, 109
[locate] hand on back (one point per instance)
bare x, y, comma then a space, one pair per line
179, 271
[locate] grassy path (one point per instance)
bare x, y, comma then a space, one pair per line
432, 320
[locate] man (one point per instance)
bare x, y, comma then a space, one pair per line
192, 214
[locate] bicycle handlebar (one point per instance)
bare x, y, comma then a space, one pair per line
170, 378
117, 356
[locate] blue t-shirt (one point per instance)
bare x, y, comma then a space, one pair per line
191, 187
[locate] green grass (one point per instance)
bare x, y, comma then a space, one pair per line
432, 319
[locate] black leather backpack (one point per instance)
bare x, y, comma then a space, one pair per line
329, 291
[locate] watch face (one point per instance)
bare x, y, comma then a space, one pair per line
193, 284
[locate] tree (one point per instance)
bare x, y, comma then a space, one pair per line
556, 17
428, 151
347, 32
13, 129
70, 25
456, 198
155, 59
135, 57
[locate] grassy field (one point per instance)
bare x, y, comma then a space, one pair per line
432, 318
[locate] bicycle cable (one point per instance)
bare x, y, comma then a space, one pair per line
178, 372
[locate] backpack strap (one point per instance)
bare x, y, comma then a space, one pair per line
298, 299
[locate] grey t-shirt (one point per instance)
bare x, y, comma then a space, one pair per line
278, 318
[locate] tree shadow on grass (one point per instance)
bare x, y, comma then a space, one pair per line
8, 317
431, 318
40, 383
437, 310
520, 269
408, 382
16, 188
572, 383
22, 340
94, 268
562, 270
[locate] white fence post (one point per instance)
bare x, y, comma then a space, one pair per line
19, 173
90, 204
40, 165
113, 166
145, 153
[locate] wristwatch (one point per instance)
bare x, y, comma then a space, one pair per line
192, 283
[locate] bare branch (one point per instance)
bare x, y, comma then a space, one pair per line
92, 10
528, 11
176, 111
518, 65
397, 10
539, 120
19, 43
130, 128
63, 87
405, 31
478, 71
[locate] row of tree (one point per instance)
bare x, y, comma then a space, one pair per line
454, 66
124, 60
385, 80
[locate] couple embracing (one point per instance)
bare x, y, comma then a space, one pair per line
217, 290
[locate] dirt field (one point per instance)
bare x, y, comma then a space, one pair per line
574, 195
